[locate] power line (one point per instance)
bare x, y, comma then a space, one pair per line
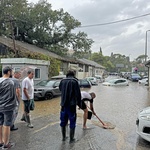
113, 22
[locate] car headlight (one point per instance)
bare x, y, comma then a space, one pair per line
145, 117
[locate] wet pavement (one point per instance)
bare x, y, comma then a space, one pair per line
117, 105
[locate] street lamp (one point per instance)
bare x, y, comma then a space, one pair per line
146, 46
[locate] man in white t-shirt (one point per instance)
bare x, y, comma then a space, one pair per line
28, 96
85, 96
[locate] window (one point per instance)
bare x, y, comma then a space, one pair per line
57, 84
37, 73
86, 68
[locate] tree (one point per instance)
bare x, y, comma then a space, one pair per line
40, 25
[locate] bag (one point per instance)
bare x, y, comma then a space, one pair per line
32, 106
89, 115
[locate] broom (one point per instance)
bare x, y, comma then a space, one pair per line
105, 125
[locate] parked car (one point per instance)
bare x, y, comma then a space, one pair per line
93, 80
135, 77
127, 75
83, 83
143, 77
59, 77
99, 78
46, 89
143, 124
143, 81
111, 78
116, 82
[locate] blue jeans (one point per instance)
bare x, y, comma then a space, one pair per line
68, 113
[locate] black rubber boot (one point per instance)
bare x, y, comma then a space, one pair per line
63, 131
72, 132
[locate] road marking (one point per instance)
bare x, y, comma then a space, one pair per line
50, 124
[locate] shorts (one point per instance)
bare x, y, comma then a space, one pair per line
6, 118
83, 105
26, 106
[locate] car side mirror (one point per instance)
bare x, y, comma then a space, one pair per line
55, 86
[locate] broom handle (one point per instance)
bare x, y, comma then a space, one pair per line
96, 116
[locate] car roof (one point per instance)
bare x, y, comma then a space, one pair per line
58, 77
117, 79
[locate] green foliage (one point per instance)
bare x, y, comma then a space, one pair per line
40, 25
110, 62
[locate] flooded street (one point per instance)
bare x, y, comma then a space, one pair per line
118, 105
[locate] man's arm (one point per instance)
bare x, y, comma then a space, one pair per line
26, 93
18, 93
92, 108
78, 94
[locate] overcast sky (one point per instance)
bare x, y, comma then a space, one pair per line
126, 38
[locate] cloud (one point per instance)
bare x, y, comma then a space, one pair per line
127, 38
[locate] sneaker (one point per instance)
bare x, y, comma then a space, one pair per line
1, 145
9, 145
30, 125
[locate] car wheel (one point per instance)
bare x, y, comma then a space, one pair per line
48, 96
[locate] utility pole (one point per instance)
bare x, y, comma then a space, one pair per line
146, 46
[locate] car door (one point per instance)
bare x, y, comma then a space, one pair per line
56, 88
120, 82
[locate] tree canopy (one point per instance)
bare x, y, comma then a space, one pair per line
40, 25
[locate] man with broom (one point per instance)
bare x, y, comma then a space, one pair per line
85, 97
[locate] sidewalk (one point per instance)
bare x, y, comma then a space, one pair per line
46, 135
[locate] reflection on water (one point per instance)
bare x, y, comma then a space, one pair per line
118, 105
110, 102
47, 107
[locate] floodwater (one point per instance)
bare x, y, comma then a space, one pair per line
117, 105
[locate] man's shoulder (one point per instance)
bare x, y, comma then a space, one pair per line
70, 79
25, 79
14, 79
6, 80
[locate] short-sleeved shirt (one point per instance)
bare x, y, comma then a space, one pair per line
29, 85
7, 95
16, 85
85, 96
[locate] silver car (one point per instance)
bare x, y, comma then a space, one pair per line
46, 89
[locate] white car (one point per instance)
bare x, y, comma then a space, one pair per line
143, 124
93, 80
143, 81
116, 82
111, 78
99, 78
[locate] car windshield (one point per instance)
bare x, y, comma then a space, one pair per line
135, 75
112, 81
46, 83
